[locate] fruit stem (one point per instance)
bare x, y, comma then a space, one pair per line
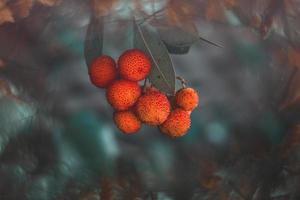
182, 80
145, 85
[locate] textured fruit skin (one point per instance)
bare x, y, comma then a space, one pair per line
187, 99
127, 122
134, 65
103, 71
177, 124
153, 108
123, 94
150, 89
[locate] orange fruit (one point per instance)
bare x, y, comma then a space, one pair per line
103, 71
177, 124
153, 108
123, 94
187, 99
127, 122
134, 65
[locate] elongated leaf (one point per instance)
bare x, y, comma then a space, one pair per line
179, 39
162, 74
94, 40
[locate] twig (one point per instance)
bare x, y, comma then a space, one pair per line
281, 196
182, 80
152, 15
210, 42
145, 85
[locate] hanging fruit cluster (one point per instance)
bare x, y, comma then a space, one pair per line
135, 105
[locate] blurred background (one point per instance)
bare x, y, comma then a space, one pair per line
57, 137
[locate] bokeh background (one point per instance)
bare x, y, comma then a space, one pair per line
57, 137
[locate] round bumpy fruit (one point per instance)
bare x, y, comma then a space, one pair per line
123, 94
103, 71
127, 122
187, 99
134, 65
153, 108
177, 124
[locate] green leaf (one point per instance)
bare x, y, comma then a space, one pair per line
162, 75
94, 40
179, 39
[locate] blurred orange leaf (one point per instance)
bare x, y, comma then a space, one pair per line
179, 12
21, 8
5, 14
106, 185
292, 140
210, 182
214, 11
279, 55
103, 7
12, 10
5, 90
246, 187
230, 3
49, 2
2, 63
293, 95
294, 57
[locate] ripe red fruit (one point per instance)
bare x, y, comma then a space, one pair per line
177, 124
153, 108
103, 71
123, 94
134, 65
187, 99
127, 122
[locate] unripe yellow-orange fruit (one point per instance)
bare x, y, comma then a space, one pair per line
134, 65
177, 124
103, 71
123, 94
187, 99
153, 108
127, 122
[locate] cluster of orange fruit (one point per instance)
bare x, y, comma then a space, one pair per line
133, 105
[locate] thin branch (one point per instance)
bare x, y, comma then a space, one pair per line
153, 15
210, 42
145, 85
285, 196
182, 80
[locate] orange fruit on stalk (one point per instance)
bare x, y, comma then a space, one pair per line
153, 108
187, 99
134, 65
